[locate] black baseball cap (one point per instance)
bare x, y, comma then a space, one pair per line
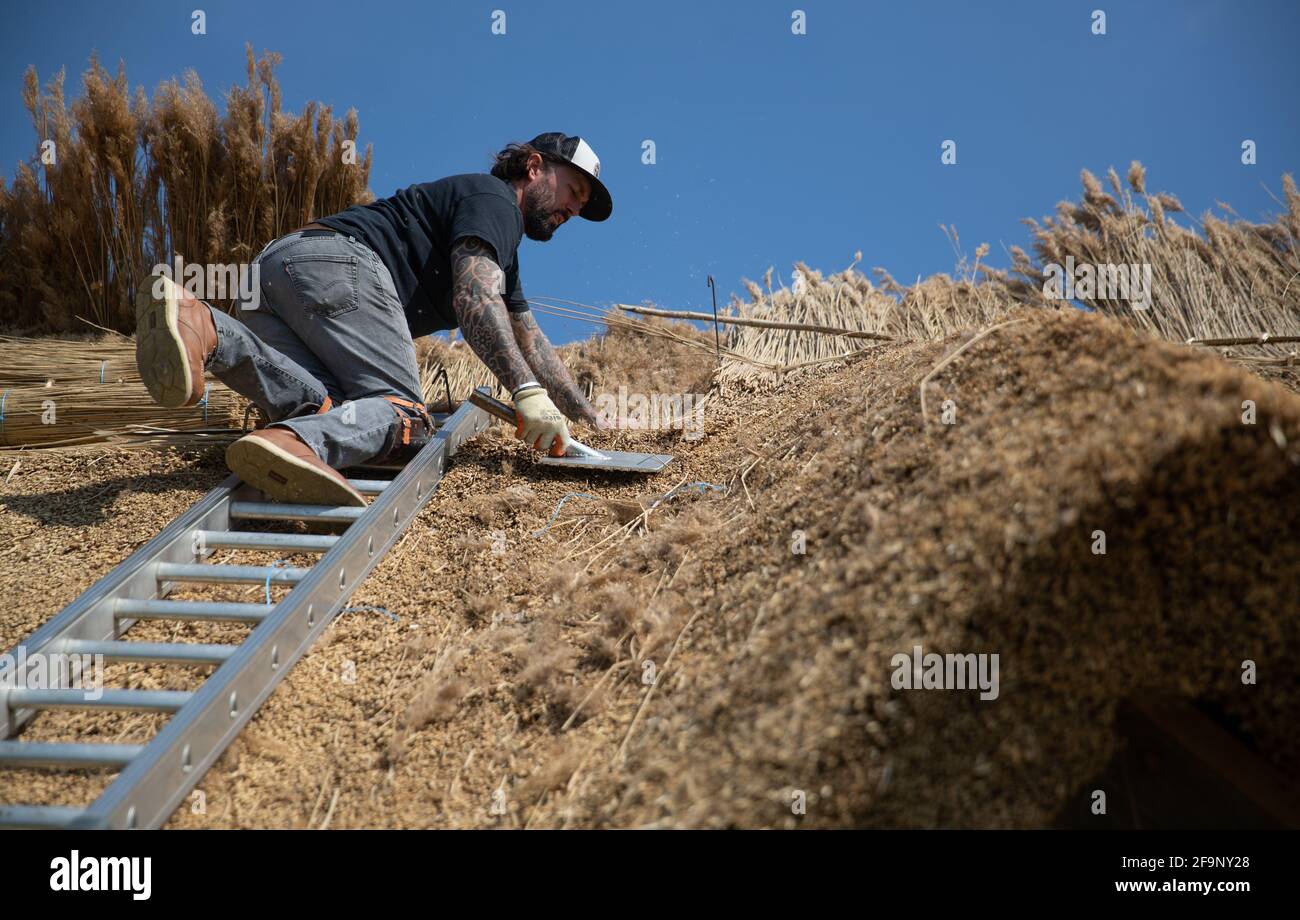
578, 153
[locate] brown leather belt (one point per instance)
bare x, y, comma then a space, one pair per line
314, 226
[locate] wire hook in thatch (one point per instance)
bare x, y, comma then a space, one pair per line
446, 382
717, 337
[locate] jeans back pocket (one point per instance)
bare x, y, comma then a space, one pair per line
326, 283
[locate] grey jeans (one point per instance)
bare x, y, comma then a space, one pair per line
328, 322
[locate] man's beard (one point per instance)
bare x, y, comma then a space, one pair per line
540, 213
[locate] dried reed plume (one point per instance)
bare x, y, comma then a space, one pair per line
135, 181
1234, 280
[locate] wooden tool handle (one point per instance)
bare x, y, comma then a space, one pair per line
495, 406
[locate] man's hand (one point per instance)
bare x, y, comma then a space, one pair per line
541, 425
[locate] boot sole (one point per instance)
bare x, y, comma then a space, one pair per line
284, 477
160, 352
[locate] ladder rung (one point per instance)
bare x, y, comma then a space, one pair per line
370, 486
278, 542
38, 816
279, 511
230, 574
69, 756
157, 774
157, 652
78, 698
190, 610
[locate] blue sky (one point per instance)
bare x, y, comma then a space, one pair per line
771, 147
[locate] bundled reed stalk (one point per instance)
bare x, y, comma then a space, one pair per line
37, 373
62, 392
84, 413
933, 308
844, 301
35, 361
129, 182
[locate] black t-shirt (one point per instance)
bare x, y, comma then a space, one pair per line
414, 230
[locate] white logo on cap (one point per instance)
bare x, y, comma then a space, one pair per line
585, 158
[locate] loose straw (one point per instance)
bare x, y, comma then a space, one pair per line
948, 360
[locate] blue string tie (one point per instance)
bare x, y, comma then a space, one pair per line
275, 565
371, 608
695, 486
204, 401
554, 513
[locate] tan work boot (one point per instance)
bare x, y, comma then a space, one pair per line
279, 463
174, 336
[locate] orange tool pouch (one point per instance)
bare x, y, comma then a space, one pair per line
415, 427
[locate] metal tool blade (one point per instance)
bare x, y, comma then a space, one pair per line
624, 460
578, 450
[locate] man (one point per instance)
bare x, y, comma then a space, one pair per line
327, 352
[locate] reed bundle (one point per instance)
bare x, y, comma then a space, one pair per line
63, 392
1232, 280
824, 320
34, 361
79, 413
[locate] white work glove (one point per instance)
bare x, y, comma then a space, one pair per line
540, 424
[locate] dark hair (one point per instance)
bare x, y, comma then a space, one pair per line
512, 162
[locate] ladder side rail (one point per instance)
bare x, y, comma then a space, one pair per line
147, 791
90, 616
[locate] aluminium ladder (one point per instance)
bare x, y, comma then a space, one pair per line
155, 777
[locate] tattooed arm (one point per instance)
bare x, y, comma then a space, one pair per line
551, 372
476, 297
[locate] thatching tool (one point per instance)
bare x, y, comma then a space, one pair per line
578, 454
